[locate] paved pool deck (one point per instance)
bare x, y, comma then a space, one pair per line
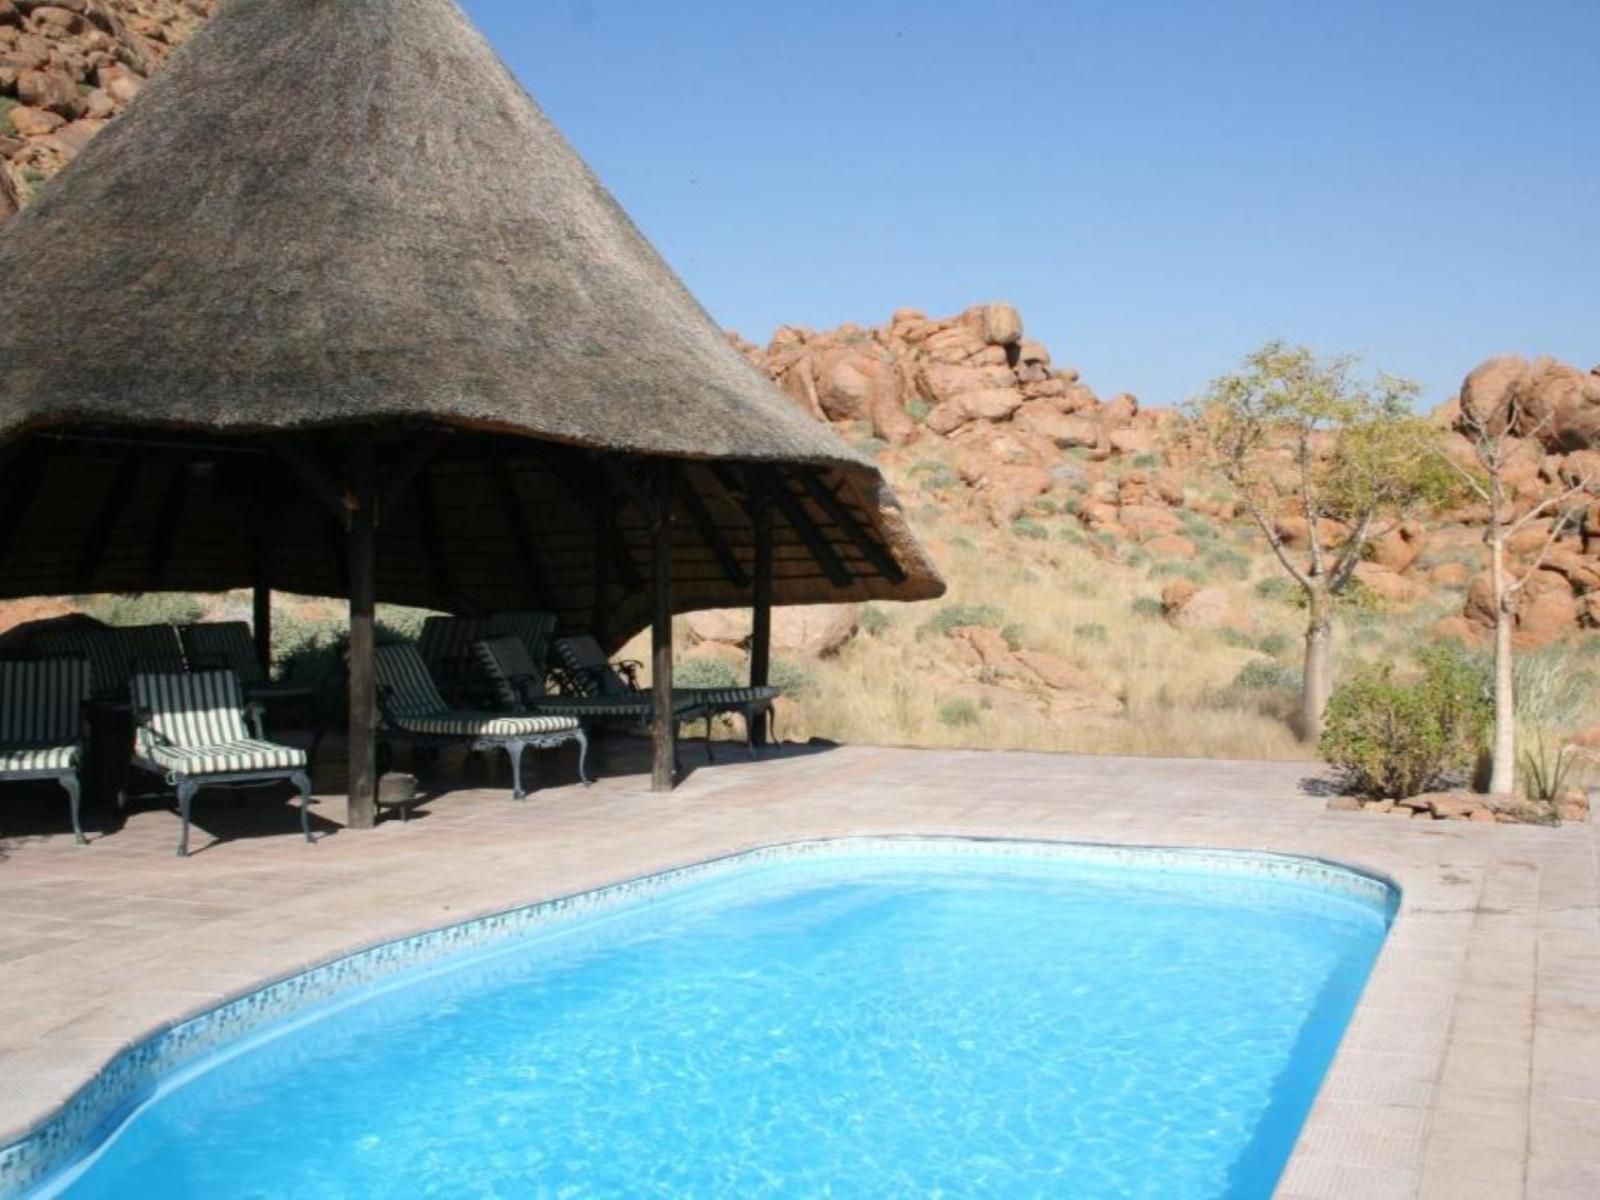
1471, 1069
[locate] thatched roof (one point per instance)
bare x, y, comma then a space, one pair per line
331, 213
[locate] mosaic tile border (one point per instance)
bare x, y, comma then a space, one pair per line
96, 1108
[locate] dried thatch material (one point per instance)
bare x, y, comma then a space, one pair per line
332, 213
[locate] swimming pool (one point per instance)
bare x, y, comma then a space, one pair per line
862, 1018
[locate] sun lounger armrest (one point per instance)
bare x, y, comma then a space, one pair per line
144, 720
255, 714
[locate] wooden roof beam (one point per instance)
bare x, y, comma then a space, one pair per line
872, 549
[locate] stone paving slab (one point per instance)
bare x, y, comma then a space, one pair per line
1471, 1067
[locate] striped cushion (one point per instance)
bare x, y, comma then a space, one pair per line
247, 754
114, 653
223, 644
447, 643
202, 709
108, 670
41, 701
503, 660
475, 724
591, 670
40, 758
410, 690
533, 629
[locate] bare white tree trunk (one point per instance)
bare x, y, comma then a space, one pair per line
1317, 678
1503, 772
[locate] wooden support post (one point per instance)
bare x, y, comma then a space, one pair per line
261, 623
361, 501
604, 514
664, 725
761, 616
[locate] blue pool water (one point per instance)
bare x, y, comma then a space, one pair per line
860, 1025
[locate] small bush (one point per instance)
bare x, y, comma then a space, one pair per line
1013, 636
148, 608
953, 616
1545, 767
1197, 527
1394, 738
957, 712
1275, 644
1176, 568
1148, 606
1223, 561
789, 677
1236, 638
1146, 462
874, 621
1027, 527
918, 410
706, 672
1092, 632
1284, 591
1260, 675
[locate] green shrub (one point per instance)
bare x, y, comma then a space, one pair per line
789, 677
1092, 632
957, 712
147, 608
1259, 675
1393, 738
1176, 568
1275, 644
874, 621
1027, 527
918, 410
1197, 527
1223, 561
1013, 636
706, 672
1148, 606
1545, 767
1236, 638
1146, 462
1284, 591
1071, 536
953, 616
7, 103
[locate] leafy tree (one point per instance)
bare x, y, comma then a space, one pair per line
1300, 437
1494, 440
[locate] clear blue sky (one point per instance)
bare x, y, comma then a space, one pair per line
1158, 186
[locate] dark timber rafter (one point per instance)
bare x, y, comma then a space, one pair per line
874, 550
712, 536
516, 516
794, 512
171, 514
111, 510
590, 487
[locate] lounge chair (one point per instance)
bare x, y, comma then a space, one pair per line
519, 686
116, 653
228, 645
190, 729
412, 710
42, 732
446, 646
585, 671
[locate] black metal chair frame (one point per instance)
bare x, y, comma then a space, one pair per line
187, 786
394, 729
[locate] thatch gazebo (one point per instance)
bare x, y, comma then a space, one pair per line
334, 309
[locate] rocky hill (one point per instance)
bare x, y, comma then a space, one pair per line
1107, 591
69, 66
